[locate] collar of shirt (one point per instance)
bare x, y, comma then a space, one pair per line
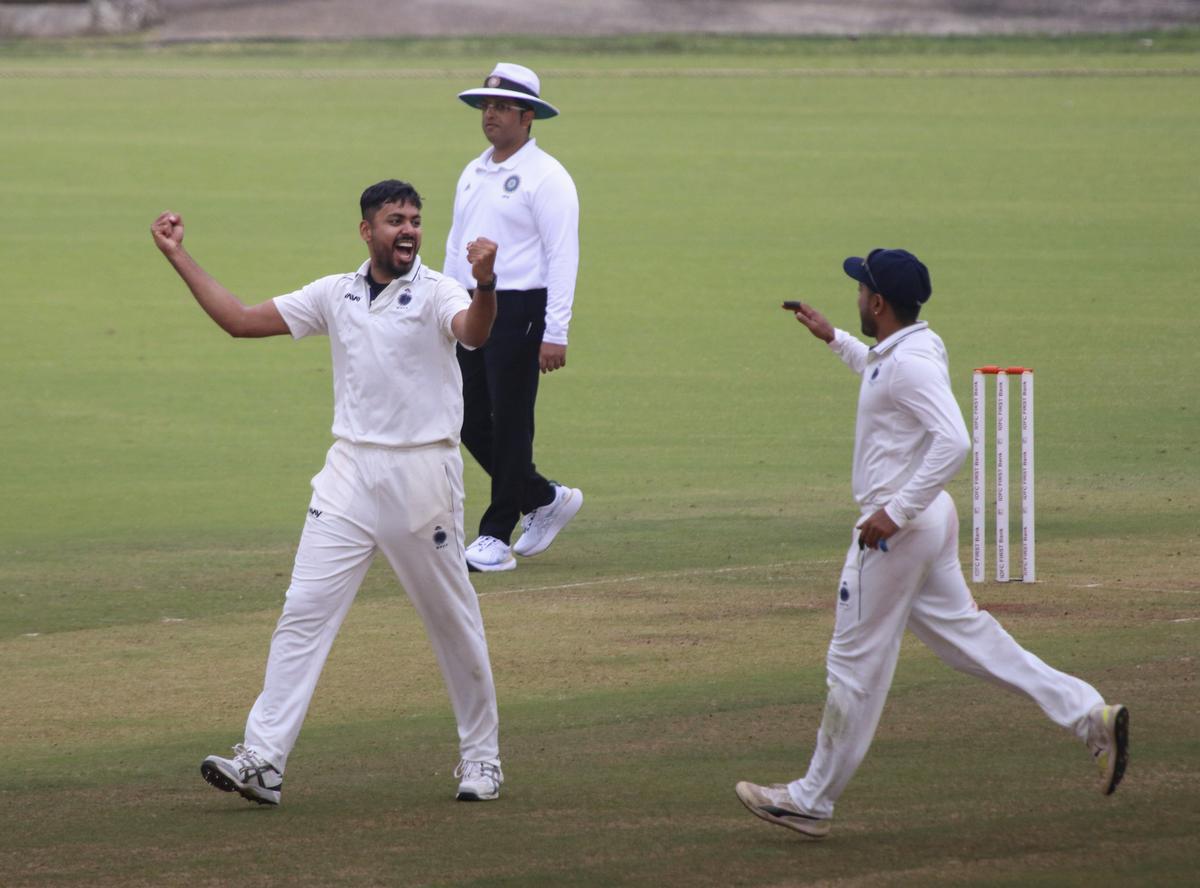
511, 163
360, 277
879, 349
408, 278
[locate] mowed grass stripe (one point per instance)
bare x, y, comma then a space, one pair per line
402, 74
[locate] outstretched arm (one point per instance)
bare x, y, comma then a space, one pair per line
230, 314
853, 352
813, 320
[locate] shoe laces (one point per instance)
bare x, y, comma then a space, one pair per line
253, 767
244, 755
541, 512
473, 770
779, 795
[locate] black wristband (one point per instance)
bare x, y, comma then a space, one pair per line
488, 287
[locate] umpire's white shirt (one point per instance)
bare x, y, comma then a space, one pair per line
396, 381
910, 438
528, 205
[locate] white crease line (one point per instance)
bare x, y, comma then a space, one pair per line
639, 578
1185, 620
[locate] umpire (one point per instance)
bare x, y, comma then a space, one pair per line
518, 195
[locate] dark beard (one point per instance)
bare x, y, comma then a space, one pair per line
394, 271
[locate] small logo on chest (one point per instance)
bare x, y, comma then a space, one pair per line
353, 297
512, 183
404, 298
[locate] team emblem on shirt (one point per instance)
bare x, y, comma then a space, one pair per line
440, 537
844, 592
875, 375
511, 183
405, 297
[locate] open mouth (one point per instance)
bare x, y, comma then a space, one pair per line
405, 248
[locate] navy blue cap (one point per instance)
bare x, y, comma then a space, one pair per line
896, 275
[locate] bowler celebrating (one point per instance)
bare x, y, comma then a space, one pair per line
902, 569
392, 481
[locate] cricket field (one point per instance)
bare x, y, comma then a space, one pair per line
155, 472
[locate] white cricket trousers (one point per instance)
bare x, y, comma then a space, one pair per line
918, 584
408, 504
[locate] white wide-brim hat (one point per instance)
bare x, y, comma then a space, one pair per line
511, 81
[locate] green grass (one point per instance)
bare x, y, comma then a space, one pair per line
675, 55
155, 472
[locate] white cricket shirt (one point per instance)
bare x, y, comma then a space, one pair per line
910, 438
528, 206
396, 381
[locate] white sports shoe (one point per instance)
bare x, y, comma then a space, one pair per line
488, 553
541, 526
774, 804
247, 773
478, 781
1108, 739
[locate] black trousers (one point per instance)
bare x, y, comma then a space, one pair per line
500, 383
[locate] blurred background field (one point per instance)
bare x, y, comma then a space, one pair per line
155, 472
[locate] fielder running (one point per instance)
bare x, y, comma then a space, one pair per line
392, 481
902, 568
